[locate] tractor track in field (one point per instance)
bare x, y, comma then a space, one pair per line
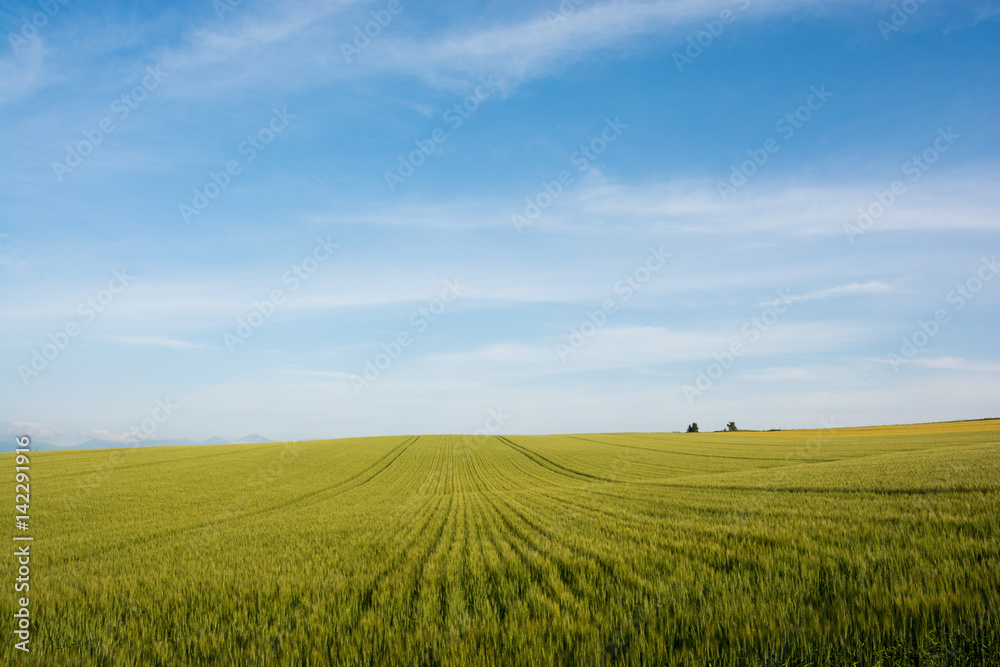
705, 456
242, 516
152, 464
523, 541
386, 466
482, 535
539, 540
505, 535
557, 468
631, 521
515, 543
528, 469
827, 490
423, 560
551, 536
246, 515
639, 518
398, 451
420, 580
458, 558
573, 505
466, 570
298, 501
455, 551
401, 551
510, 499
399, 557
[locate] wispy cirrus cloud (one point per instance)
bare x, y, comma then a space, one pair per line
956, 364
24, 73
539, 45
155, 341
272, 46
959, 199
637, 347
253, 30
870, 287
796, 373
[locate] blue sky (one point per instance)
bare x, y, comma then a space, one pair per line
621, 216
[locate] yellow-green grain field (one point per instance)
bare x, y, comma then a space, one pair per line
873, 546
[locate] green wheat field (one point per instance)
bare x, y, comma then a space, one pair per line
869, 546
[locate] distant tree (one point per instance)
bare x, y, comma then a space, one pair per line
731, 426
693, 428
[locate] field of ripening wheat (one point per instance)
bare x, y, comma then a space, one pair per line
876, 546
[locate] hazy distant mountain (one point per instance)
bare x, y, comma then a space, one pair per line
93, 443
102, 444
37, 446
251, 439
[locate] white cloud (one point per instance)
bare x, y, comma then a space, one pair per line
956, 364
870, 287
636, 347
786, 373
958, 199
339, 375
954, 200
24, 73
300, 45
245, 32
30, 428
538, 45
155, 341
500, 354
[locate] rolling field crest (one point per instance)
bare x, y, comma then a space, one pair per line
874, 546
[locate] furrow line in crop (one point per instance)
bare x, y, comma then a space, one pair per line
675, 452
423, 560
158, 464
507, 550
519, 543
337, 487
386, 466
552, 465
545, 538
124, 542
827, 490
475, 595
399, 557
